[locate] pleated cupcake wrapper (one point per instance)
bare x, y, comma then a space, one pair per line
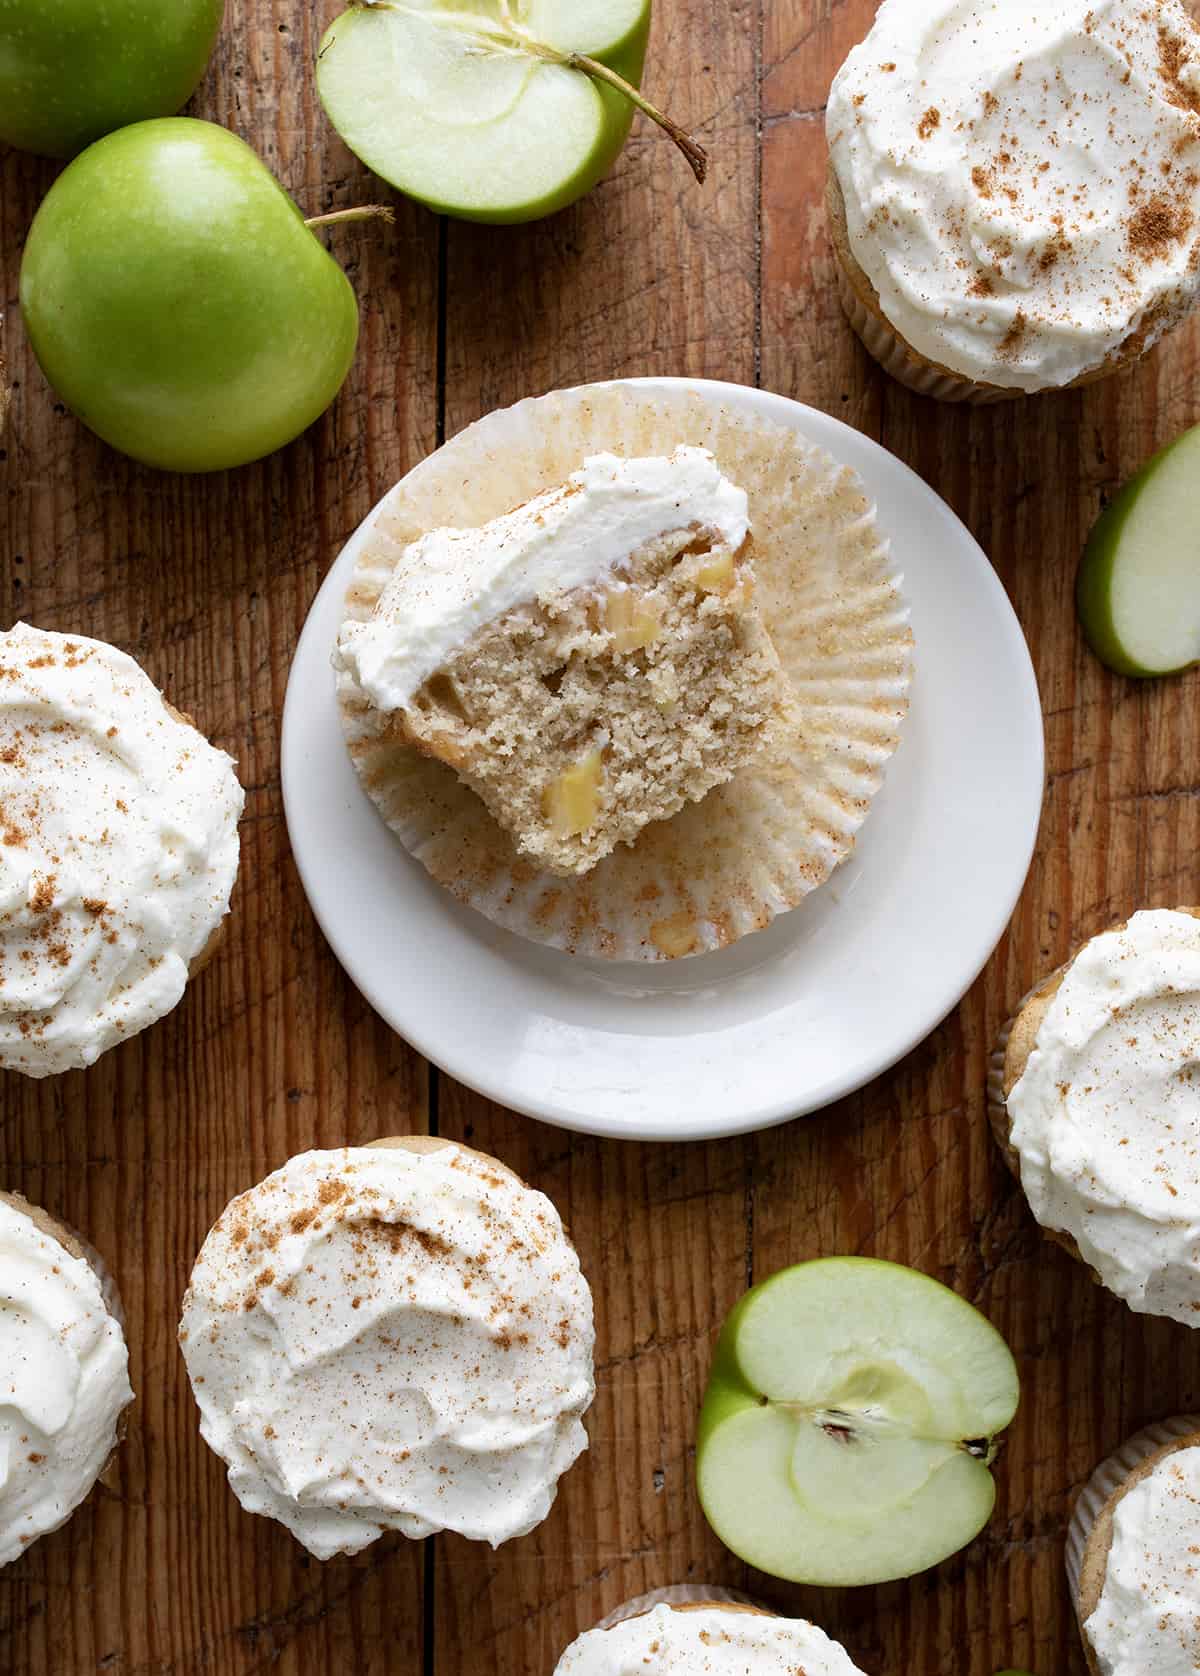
997, 1102
1108, 1478
830, 596
680, 1594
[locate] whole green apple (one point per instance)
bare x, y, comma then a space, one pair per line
497, 111
177, 302
73, 70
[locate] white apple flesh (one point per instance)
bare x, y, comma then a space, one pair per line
1139, 584
490, 110
849, 1425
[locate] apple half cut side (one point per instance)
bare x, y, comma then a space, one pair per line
1138, 591
489, 110
850, 1423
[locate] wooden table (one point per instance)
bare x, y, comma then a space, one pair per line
207, 582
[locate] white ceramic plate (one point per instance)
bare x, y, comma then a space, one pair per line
787, 1020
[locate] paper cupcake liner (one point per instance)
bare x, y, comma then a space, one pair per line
901, 362
679, 1594
1108, 1479
998, 1118
830, 597
997, 1101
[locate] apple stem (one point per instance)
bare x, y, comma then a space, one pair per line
509, 36
362, 212
695, 153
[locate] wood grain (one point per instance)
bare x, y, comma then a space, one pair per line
207, 581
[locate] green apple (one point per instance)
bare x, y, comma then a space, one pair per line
850, 1423
1139, 584
179, 304
73, 70
492, 110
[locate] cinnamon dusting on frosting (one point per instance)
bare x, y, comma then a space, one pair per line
1069, 152
433, 1305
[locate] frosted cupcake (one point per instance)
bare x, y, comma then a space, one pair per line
622, 666
64, 1374
392, 1337
118, 850
1014, 189
1131, 1555
698, 1631
1095, 1097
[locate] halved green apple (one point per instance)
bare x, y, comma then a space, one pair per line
491, 110
1139, 584
850, 1423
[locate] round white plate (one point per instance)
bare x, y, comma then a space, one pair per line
788, 1019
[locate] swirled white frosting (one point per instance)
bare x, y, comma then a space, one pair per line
1106, 1116
64, 1381
384, 1340
1147, 1621
706, 1642
118, 849
451, 582
1022, 179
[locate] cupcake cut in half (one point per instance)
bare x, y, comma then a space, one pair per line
64, 1373
391, 1337
588, 663
622, 668
1094, 1095
118, 850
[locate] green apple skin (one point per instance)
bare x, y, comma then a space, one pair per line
1093, 588
627, 57
73, 70
729, 1393
178, 304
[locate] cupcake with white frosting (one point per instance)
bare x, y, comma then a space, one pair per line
64, 1374
391, 1337
1014, 191
696, 1631
118, 850
1131, 1555
1094, 1093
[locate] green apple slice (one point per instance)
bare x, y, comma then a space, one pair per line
849, 1425
491, 110
1139, 584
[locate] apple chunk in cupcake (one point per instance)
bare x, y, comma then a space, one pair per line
1095, 1098
118, 850
64, 1374
391, 1337
850, 1423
